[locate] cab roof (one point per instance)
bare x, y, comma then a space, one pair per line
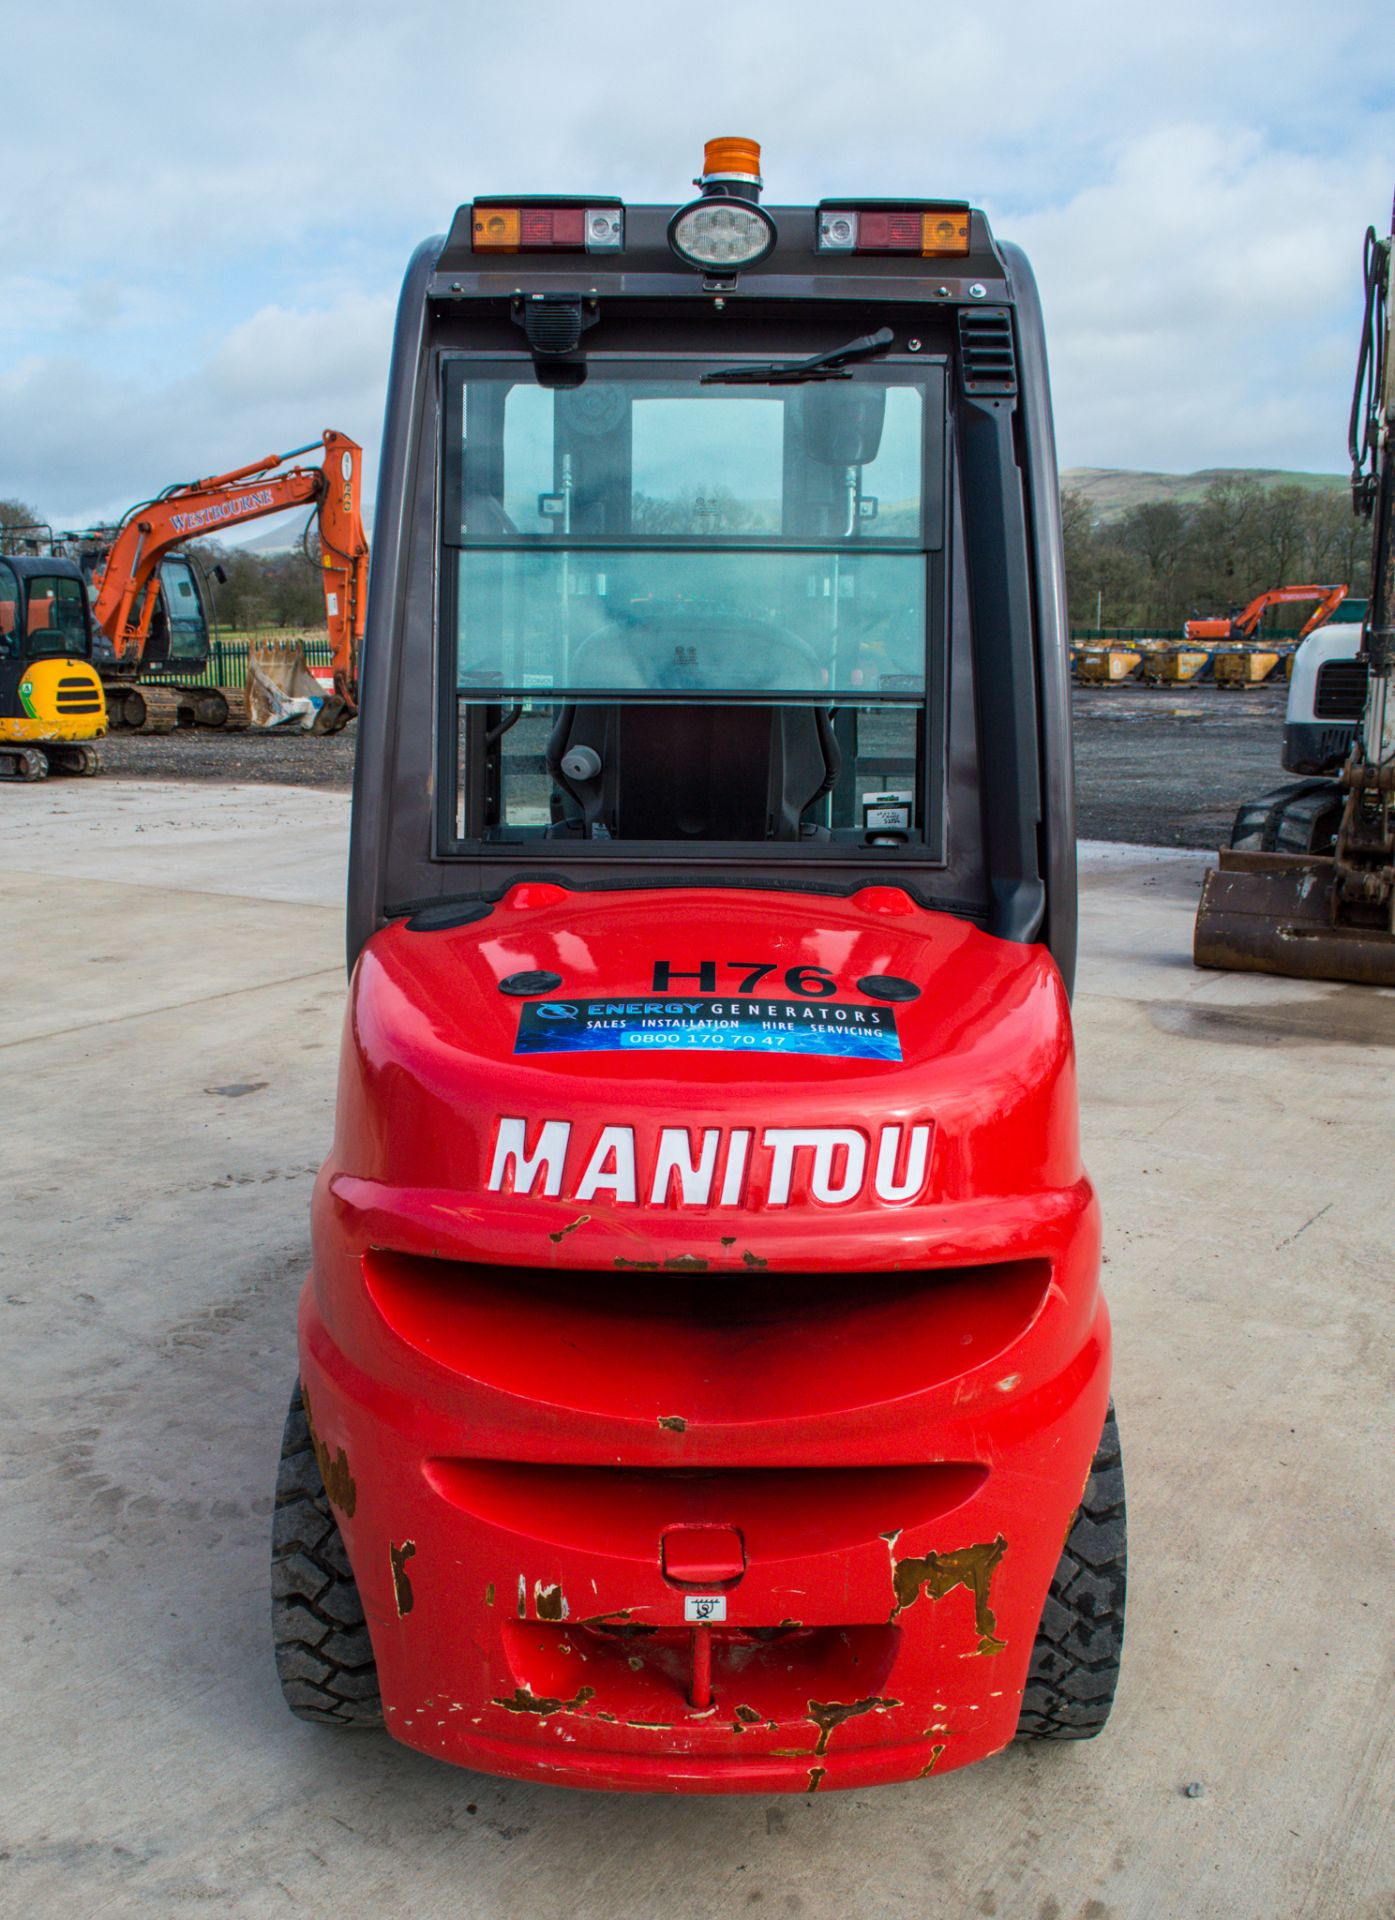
30, 565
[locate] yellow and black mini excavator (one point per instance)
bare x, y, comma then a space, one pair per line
51, 702
1331, 915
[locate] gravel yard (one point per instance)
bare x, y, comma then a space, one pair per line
1163, 768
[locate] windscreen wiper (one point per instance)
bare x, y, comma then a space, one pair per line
819, 366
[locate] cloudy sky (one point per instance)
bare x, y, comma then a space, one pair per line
206, 212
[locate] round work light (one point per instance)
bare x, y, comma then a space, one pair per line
721, 235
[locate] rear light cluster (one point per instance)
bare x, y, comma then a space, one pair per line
930, 231
562, 227
722, 230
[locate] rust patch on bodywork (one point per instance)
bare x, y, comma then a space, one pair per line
815, 1776
673, 1423
489, 1594
938, 1574
339, 1482
828, 1714
636, 1266
600, 1619
524, 1700
581, 1220
686, 1263
929, 1766
748, 1714
549, 1603
753, 1259
401, 1585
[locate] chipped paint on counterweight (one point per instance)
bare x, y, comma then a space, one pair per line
938, 1574
401, 1585
524, 1700
829, 1714
338, 1481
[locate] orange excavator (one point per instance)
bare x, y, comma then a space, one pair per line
1245, 625
148, 601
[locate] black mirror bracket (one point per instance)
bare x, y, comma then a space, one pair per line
553, 324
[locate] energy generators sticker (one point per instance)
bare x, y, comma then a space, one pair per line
834, 1028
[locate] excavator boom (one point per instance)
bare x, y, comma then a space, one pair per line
1244, 625
123, 587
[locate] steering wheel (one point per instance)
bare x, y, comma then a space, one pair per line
673, 648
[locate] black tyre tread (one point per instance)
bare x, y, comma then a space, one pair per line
324, 1658
1075, 1661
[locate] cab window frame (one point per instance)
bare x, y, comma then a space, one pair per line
455, 368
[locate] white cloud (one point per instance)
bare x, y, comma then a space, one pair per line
1202, 302
205, 263
82, 444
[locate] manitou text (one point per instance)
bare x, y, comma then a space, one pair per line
711, 1166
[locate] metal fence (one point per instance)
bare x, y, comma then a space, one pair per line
227, 661
1085, 636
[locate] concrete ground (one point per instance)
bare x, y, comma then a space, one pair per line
169, 1033
1164, 765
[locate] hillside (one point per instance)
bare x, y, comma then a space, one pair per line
1112, 490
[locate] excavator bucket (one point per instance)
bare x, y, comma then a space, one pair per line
1273, 913
282, 692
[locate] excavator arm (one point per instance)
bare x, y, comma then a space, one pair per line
1328, 598
124, 584
1245, 625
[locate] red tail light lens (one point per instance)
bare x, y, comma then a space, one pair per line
552, 227
888, 233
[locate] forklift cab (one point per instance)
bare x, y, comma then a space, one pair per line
703, 1358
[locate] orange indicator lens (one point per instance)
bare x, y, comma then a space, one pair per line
496, 229
946, 231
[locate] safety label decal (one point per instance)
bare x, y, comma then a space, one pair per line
833, 1028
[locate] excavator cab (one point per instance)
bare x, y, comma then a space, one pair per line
179, 630
703, 1360
51, 702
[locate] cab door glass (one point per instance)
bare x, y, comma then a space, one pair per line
183, 605
9, 613
56, 618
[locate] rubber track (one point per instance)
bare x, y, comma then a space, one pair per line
324, 1658
1300, 818
1075, 1662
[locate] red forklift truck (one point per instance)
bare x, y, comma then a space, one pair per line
704, 1376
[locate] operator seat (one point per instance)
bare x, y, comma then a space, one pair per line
694, 771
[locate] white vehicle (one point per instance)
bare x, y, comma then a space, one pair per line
1326, 697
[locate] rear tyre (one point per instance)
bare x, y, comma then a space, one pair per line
324, 1657
1075, 1662
1302, 817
